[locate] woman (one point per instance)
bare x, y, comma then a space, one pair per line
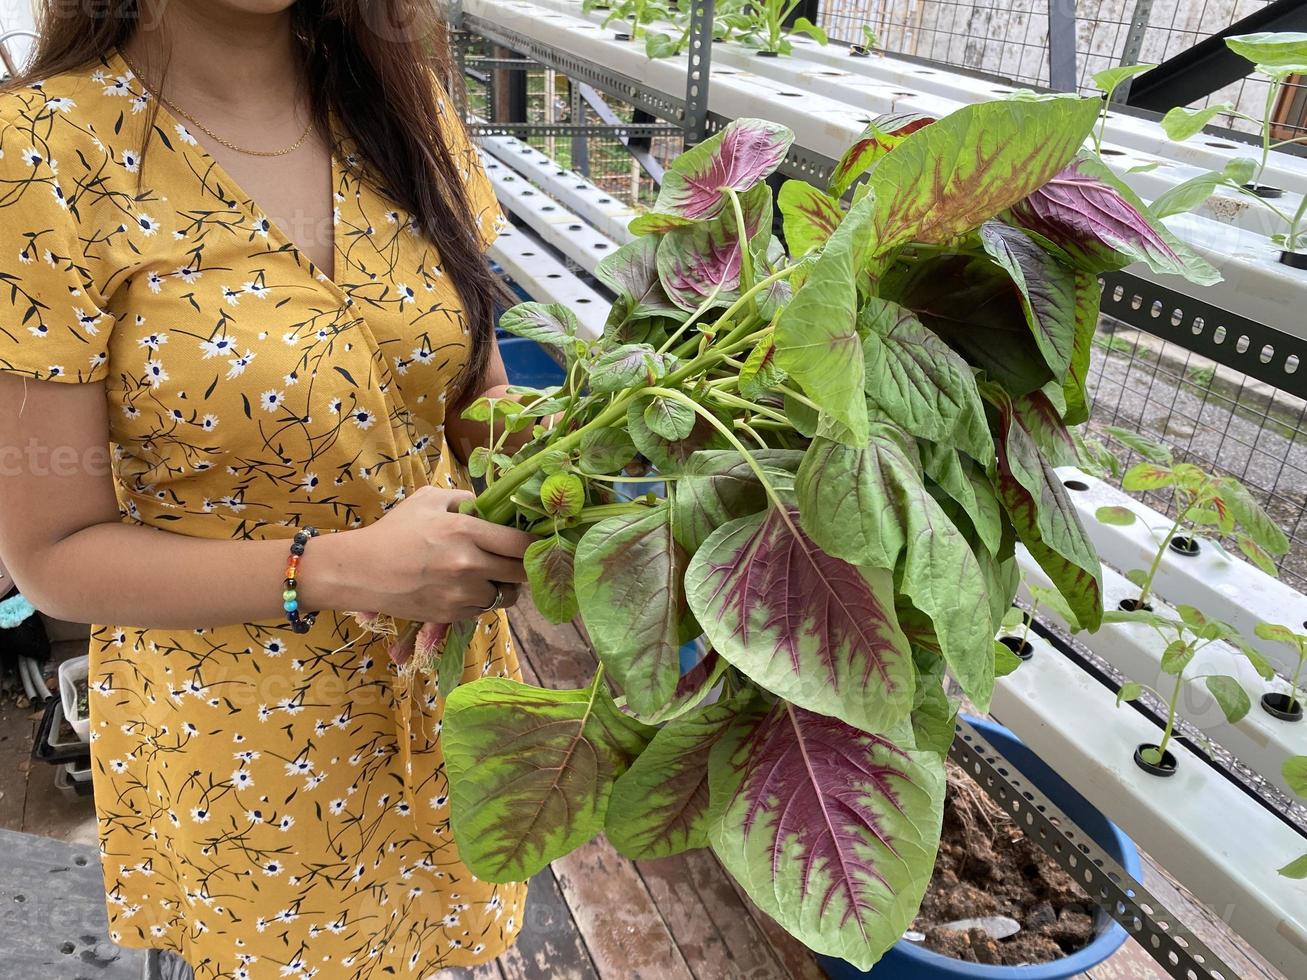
241, 242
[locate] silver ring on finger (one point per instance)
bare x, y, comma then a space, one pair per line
499, 600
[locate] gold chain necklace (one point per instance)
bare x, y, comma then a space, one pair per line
177, 110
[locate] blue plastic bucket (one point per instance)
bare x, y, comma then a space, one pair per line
527, 363
910, 961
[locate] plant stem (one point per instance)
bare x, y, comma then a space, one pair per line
729, 436
1271, 91
742, 242
1170, 718
736, 401
1157, 559
694, 318
592, 515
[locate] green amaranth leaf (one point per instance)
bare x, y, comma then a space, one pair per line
963, 481
1252, 518
605, 450
1230, 695
1117, 516
947, 178
669, 418
545, 323
807, 626
811, 217
1149, 449
628, 583
830, 830
627, 366
816, 336
1181, 123
920, 382
1294, 770
531, 771
1176, 657
550, 564
453, 654
670, 455
1109, 78
632, 273
1274, 49
659, 806
1036, 414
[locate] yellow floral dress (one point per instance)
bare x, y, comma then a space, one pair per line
270, 805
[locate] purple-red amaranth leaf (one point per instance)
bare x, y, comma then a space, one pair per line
882, 134
1047, 288
717, 486
632, 273
830, 830
1094, 218
811, 628
1044, 517
705, 259
659, 806
695, 185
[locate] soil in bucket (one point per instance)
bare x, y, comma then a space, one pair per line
988, 867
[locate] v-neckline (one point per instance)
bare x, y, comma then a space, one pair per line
253, 209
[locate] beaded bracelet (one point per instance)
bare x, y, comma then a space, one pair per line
290, 597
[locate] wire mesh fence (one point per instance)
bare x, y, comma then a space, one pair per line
1210, 415
1009, 38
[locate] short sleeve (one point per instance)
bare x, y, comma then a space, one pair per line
52, 323
480, 192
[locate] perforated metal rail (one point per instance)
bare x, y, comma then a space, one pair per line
1257, 350
1177, 950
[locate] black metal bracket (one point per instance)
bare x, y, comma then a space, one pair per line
1209, 65
1176, 949
1269, 355
696, 79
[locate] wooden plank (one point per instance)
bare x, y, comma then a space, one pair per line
796, 958
734, 920
1207, 924
710, 950
623, 928
550, 946
16, 728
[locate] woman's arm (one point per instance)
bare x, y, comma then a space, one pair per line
63, 541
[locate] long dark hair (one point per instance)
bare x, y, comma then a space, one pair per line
370, 64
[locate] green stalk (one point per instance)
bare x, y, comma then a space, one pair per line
729, 436
592, 515
726, 398
1161, 553
742, 241
1271, 91
1170, 718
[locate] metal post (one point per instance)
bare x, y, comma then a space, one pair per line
1134, 43
580, 143
696, 80
1062, 45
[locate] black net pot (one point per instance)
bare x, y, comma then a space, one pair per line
1282, 706
1165, 768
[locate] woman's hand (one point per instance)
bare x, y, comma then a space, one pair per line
422, 562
